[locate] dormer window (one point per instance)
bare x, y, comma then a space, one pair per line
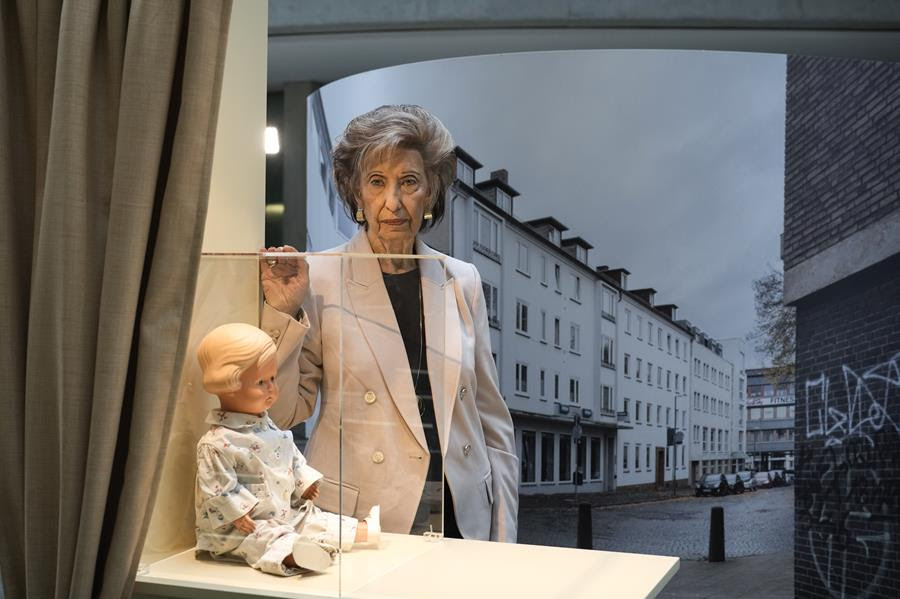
581, 253
465, 173
504, 201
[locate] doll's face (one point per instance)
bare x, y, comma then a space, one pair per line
258, 390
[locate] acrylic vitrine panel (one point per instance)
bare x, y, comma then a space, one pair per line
368, 369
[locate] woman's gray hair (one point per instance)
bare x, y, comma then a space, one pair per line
381, 131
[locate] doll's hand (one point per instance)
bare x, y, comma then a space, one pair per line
245, 524
312, 492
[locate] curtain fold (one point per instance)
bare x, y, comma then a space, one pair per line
107, 125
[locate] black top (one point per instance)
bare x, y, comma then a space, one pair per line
404, 290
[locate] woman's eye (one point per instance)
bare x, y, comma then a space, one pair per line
376, 182
410, 182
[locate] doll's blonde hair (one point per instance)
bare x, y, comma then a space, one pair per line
227, 351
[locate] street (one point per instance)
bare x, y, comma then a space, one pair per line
759, 530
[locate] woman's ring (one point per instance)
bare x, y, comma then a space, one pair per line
271, 262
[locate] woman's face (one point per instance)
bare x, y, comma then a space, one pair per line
394, 196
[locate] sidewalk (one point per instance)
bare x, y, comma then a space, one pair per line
770, 576
599, 500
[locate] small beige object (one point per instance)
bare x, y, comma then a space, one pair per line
275, 334
377, 457
310, 555
271, 261
467, 449
370, 396
462, 393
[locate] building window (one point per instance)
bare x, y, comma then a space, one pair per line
528, 453
565, 458
659, 376
575, 338
465, 173
659, 337
669, 343
574, 390
606, 398
669, 380
608, 307
491, 303
581, 253
649, 463
556, 277
704, 438
649, 411
626, 365
577, 287
596, 458
627, 321
625, 457
544, 326
649, 373
487, 234
639, 325
668, 413
682, 456
637, 457
521, 378
625, 403
677, 348
543, 269
522, 262
637, 369
555, 386
556, 332
650, 333
637, 411
607, 352
658, 415
543, 382
504, 200
548, 453
521, 317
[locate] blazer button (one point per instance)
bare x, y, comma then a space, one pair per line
377, 457
370, 396
462, 393
275, 334
467, 449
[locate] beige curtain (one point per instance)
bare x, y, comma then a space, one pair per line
107, 123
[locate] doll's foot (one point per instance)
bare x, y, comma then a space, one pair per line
373, 525
311, 555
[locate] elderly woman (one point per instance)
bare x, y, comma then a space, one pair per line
403, 342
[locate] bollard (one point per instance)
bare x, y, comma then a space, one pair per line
585, 533
717, 534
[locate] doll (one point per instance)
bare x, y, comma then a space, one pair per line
254, 492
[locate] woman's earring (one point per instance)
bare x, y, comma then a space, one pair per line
428, 215
360, 217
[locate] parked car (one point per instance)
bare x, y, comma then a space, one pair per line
763, 481
750, 483
735, 483
777, 478
711, 484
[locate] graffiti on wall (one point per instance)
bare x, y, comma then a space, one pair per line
848, 518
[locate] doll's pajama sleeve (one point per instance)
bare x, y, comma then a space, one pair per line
224, 500
304, 477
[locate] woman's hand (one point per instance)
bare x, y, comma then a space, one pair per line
245, 524
285, 281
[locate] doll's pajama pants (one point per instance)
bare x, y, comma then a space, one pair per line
273, 540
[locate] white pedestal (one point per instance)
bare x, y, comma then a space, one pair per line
409, 567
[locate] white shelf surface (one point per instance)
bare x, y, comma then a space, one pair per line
410, 567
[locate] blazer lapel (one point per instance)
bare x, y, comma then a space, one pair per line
442, 335
375, 316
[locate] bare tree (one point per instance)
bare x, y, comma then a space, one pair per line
775, 332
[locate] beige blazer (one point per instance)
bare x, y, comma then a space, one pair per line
347, 346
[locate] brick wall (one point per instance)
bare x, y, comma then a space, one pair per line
842, 174
842, 150
847, 497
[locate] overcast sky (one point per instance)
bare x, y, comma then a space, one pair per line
671, 163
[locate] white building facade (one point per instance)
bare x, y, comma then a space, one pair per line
594, 373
